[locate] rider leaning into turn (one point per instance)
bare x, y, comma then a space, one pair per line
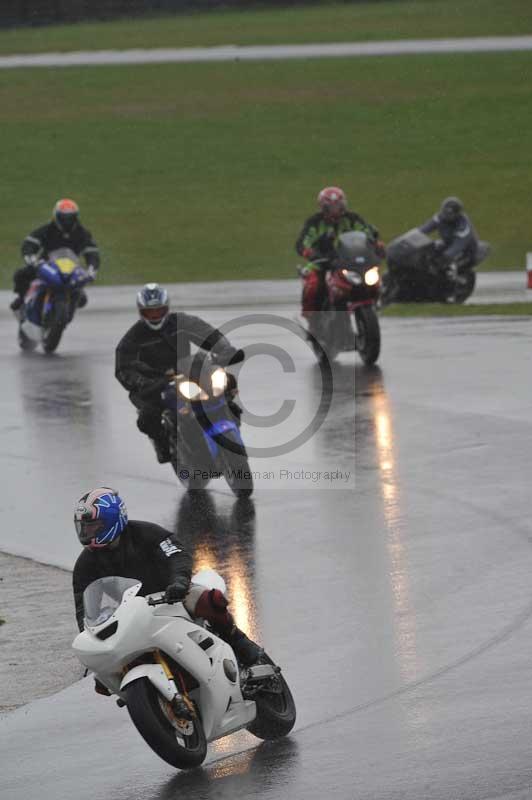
152, 347
459, 240
114, 545
317, 241
64, 230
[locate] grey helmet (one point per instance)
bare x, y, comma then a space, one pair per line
450, 209
152, 303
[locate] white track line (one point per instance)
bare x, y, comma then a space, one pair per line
489, 44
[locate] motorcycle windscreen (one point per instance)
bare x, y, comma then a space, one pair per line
102, 597
353, 247
408, 250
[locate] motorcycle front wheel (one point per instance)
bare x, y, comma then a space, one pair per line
368, 333
181, 743
276, 710
465, 284
236, 466
53, 326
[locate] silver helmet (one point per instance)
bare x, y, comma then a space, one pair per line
152, 303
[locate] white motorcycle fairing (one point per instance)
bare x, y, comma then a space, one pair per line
120, 635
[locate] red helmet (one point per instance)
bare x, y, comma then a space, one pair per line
332, 202
66, 215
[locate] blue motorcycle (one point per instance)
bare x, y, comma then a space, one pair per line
202, 423
51, 301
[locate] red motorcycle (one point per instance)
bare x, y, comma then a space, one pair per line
348, 318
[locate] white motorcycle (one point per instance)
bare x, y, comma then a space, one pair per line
182, 684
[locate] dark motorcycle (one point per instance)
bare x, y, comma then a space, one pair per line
348, 318
417, 271
202, 422
51, 301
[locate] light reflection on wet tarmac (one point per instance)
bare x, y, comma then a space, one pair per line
225, 543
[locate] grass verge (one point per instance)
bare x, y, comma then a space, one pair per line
322, 22
448, 310
207, 171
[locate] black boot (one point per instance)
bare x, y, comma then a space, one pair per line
246, 651
16, 303
161, 450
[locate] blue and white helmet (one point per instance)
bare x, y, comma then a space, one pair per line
100, 517
152, 303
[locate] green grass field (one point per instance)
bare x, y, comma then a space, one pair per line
190, 172
325, 22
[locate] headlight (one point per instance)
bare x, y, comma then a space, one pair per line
219, 381
191, 390
372, 276
352, 276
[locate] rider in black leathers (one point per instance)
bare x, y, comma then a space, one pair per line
152, 347
153, 555
64, 230
459, 240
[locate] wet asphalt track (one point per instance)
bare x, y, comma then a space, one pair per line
399, 604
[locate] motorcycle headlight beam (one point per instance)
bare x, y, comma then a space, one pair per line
372, 276
219, 381
191, 390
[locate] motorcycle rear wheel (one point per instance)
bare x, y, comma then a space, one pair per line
53, 327
276, 713
389, 291
368, 333
145, 707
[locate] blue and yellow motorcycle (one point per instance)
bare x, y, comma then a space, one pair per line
51, 301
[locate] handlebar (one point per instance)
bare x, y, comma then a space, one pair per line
222, 359
156, 601
162, 601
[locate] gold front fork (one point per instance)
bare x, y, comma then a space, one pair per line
160, 659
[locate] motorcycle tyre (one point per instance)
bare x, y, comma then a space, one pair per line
276, 713
54, 327
236, 460
156, 730
464, 291
368, 332
389, 291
